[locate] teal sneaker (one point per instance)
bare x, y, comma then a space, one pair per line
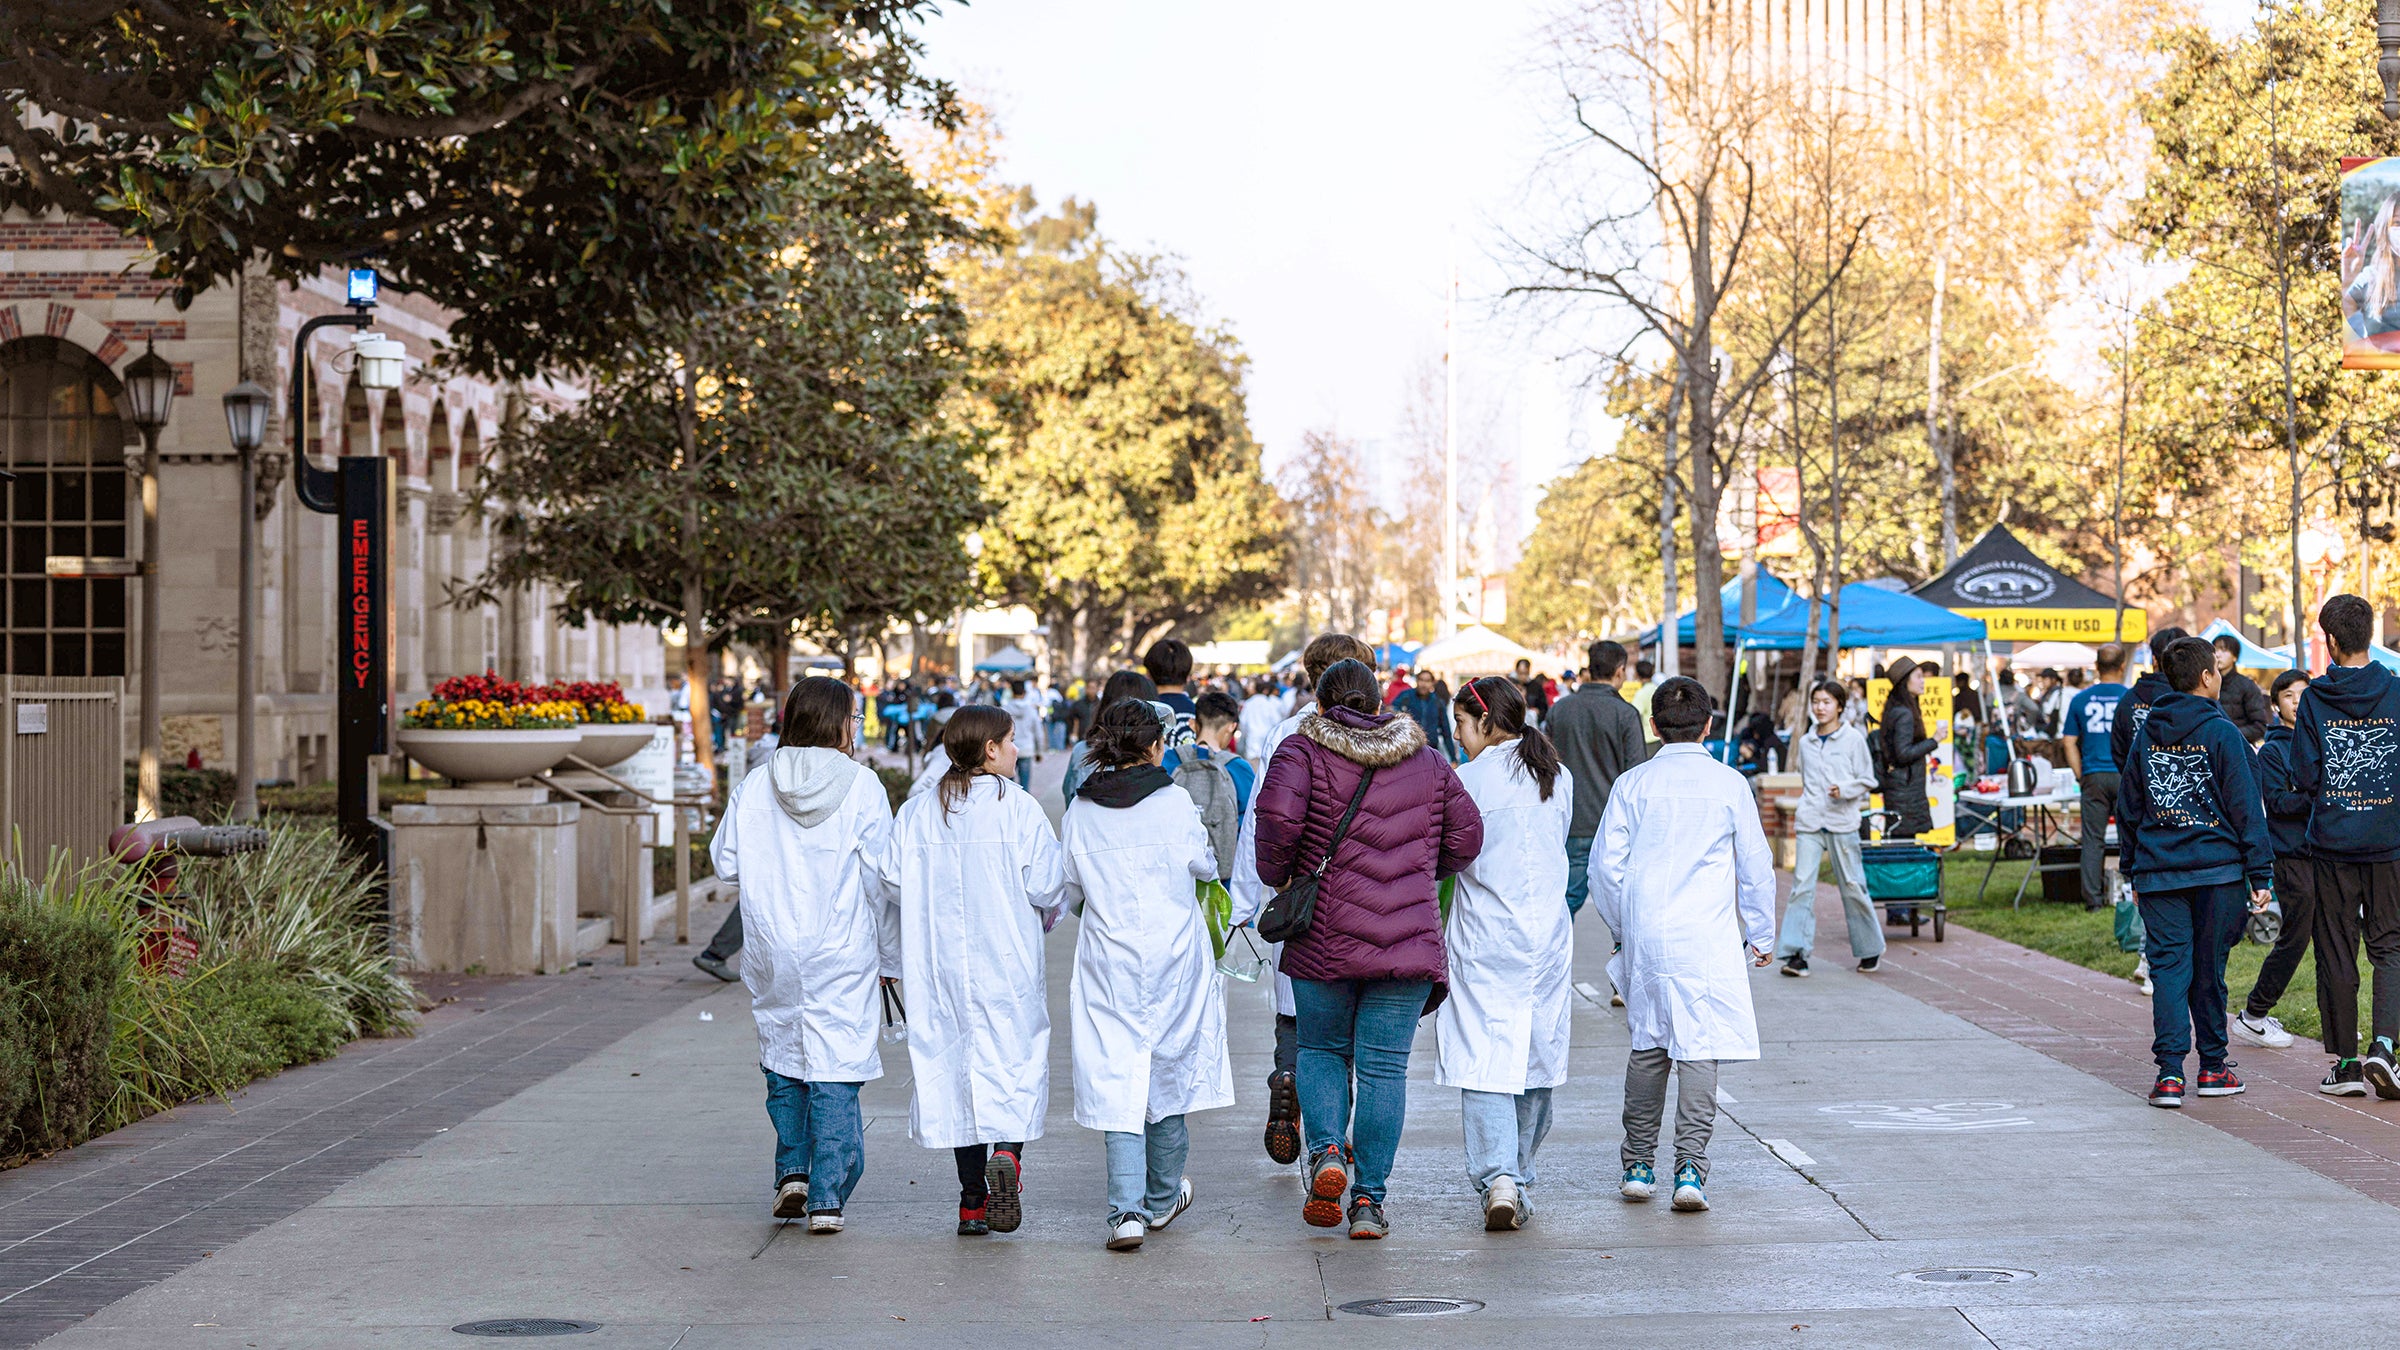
1640, 1183
1689, 1197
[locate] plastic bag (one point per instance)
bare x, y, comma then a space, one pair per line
1216, 907
895, 1016
1244, 957
2130, 935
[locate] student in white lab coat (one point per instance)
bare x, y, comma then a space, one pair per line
1511, 946
978, 875
1147, 1004
801, 835
1683, 875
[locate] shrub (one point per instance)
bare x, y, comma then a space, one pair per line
204, 794
59, 972
302, 907
250, 1019
896, 783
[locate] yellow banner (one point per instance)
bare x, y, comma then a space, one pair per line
2060, 625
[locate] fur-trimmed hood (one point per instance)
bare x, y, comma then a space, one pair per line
1372, 742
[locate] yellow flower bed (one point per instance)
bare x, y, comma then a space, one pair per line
614, 713
477, 714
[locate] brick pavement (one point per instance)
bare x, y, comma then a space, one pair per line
2101, 1025
86, 1227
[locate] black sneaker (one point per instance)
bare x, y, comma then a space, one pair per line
1867, 964
2380, 1071
2344, 1079
1367, 1223
1003, 1184
1796, 966
715, 967
1283, 1117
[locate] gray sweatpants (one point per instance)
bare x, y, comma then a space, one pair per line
1646, 1103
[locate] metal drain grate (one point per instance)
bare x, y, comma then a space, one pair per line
1411, 1307
1965, 1275
525, 1326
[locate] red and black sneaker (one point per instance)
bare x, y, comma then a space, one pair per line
972, 1222
2167, 1091
1283, 1117
1003, 1185
2219, 1082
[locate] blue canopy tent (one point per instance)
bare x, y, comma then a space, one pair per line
1008, 660
1871, 617
1393, 655
2253, 657
1773, 597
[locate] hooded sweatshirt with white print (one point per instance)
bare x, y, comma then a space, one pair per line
2346, 756
799, 837
2188, 807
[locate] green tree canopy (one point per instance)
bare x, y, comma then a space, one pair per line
559, 174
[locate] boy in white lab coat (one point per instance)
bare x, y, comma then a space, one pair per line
1147, 1005
978, 876
1683, 876
801, 834
1511, 947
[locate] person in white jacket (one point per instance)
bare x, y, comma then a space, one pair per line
1684, 878
1025, 709
801, 835
978, 873
1836, 774
1147, 1005
1511, 946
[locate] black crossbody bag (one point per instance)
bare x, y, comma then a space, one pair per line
1294, 908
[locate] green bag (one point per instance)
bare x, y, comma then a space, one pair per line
1448, 888
1216, 906
2130, 935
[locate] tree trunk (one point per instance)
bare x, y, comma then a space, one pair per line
1708, 564
695, 592
1670, 650
779, 662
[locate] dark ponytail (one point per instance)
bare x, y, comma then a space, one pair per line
1123, 733
1349, 684
1499, 705
967, 740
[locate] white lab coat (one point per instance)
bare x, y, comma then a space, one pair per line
817, 925
1146, 1002
1510, 939
1250, 895
1260, 713
937, 763
972, 887
1682, 875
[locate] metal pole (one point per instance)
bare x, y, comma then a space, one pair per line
146, 806
245, 676
1449, 610
635, 906
683, 875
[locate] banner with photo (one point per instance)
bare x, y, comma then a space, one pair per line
2370, 263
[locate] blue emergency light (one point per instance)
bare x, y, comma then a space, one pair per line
362, 286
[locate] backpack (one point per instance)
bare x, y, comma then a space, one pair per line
1203, 775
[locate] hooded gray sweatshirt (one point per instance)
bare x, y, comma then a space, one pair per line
811, 781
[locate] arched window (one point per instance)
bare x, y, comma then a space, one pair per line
61, 435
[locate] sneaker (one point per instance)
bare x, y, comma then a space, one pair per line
1689, 1196
1367, 1223
1615, 999
2381, 1074
1640, 1183
791, 1197
1503, 1209
2344, 1079
971, 1222
715, 967
1328, 1182
1283, 1117
1125, 1232
2141, 976
2264, 1031
1868, 965
1003, 1186
2167, 1091
2219, 1082
825, 1221
1796, 967
1183, 1201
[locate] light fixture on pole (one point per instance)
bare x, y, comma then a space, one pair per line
246, 409
149, 398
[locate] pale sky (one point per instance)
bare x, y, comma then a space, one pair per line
1314, 165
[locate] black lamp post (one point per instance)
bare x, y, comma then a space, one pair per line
246, 410
149, 397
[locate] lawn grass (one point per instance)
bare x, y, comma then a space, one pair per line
2088, 938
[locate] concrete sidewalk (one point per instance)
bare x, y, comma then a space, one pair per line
1878, 1137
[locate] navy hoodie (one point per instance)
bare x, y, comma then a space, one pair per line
2135, 706
2346, 756
2287, 810
2188, 809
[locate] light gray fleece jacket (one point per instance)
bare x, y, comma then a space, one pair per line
811, 781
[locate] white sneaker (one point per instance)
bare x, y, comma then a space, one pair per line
791, 1199
1183, 1201
2264, 1031
1125, 1234
825, 1221
1503, 1208
2141, 973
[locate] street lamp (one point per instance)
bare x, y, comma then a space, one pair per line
2387, 64
149, 396
246, 410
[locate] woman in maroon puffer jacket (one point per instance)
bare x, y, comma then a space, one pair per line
1372, 962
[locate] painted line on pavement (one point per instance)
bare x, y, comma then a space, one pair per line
1789, 1153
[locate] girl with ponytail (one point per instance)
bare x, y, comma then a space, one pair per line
978, 875
1511, 945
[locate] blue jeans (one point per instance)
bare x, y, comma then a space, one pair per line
1058, 735
1799, 937
818, 1136
2189, 935
1503, 1131
1025, 772
1579, 872
1367, 1025
1145, 1171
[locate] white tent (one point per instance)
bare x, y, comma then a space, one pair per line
2057, 655
1477, 650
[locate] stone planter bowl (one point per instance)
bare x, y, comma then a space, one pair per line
609, 744
489, 758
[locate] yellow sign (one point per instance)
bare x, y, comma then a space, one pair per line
1941, 783
2059, 625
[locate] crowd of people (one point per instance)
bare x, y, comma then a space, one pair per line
1415, 852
